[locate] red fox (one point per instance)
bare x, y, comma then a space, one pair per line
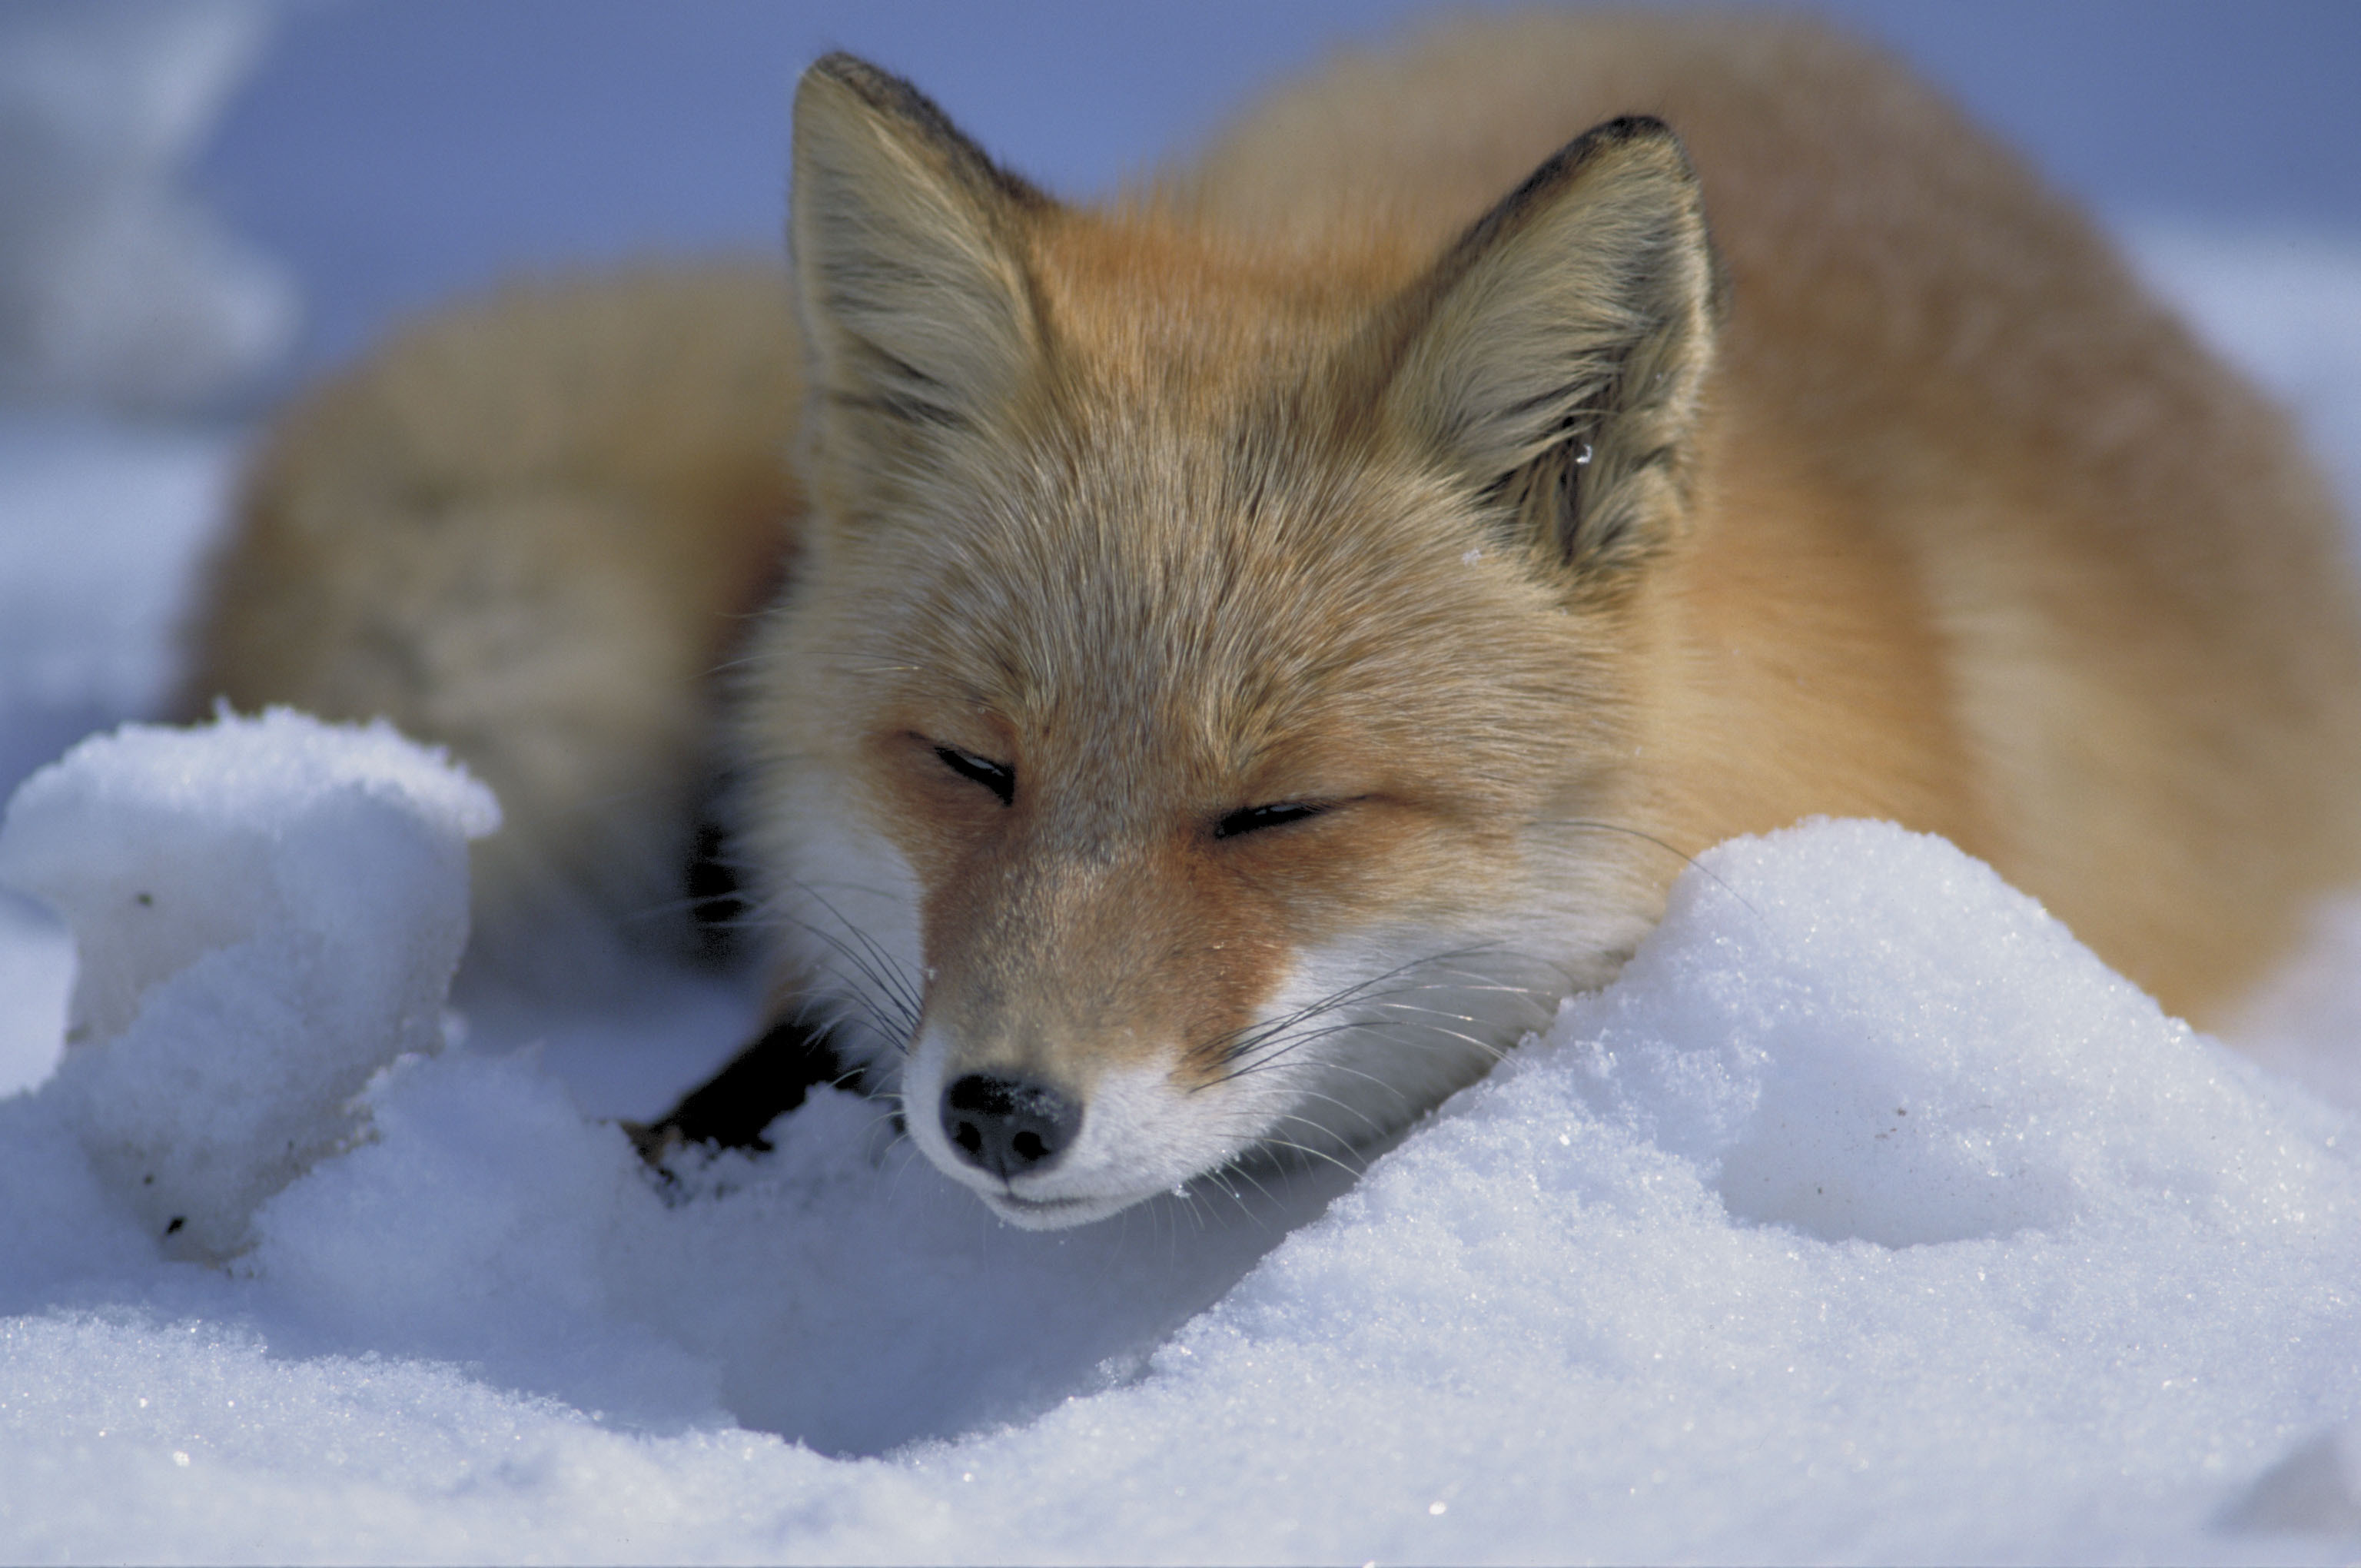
1234, 658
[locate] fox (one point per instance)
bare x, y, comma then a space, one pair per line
1193, 680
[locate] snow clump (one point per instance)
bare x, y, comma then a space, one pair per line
264, 912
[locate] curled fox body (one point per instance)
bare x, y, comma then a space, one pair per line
1238, 655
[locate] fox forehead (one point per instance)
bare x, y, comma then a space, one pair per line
1165, 300
1119, 589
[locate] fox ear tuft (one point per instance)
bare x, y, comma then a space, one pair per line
1556, 356
909, 271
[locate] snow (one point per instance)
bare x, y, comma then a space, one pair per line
1868, 1216
263, 901
37, 964
101, 529
118, 288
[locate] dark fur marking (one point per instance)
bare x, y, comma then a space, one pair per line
889, 94
905, 410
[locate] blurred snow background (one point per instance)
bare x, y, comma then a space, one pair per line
118, 286
1866, 1218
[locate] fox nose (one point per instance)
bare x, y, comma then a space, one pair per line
1009, 1125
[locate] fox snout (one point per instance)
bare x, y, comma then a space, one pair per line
1054, 1118
1009, 1127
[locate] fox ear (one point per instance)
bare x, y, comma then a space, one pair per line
907, 242
1556, 356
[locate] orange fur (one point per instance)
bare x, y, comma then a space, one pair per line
1510, 548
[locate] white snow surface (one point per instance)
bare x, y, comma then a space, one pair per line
1868, 1216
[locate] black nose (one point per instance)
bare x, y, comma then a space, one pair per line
1009, 1125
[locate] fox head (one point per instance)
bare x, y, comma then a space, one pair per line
1201, 723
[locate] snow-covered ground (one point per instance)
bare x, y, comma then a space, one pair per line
1867, 1217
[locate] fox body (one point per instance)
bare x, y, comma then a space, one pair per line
1240, 654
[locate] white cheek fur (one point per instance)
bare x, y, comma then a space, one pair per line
848, 914
1366, 1035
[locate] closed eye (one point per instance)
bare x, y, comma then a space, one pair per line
997, 777
1254, 819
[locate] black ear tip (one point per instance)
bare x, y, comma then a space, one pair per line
1640, 132
889, 96
1636, 127
880, 90
866, 81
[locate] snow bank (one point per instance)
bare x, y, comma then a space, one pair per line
1867, 1216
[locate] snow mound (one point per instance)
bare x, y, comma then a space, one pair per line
1658, 1288
264, 912
1867, 1216
1844, 1098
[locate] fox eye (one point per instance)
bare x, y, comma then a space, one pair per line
1254, 819
997, 777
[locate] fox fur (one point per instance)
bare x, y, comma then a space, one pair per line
1234, 657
